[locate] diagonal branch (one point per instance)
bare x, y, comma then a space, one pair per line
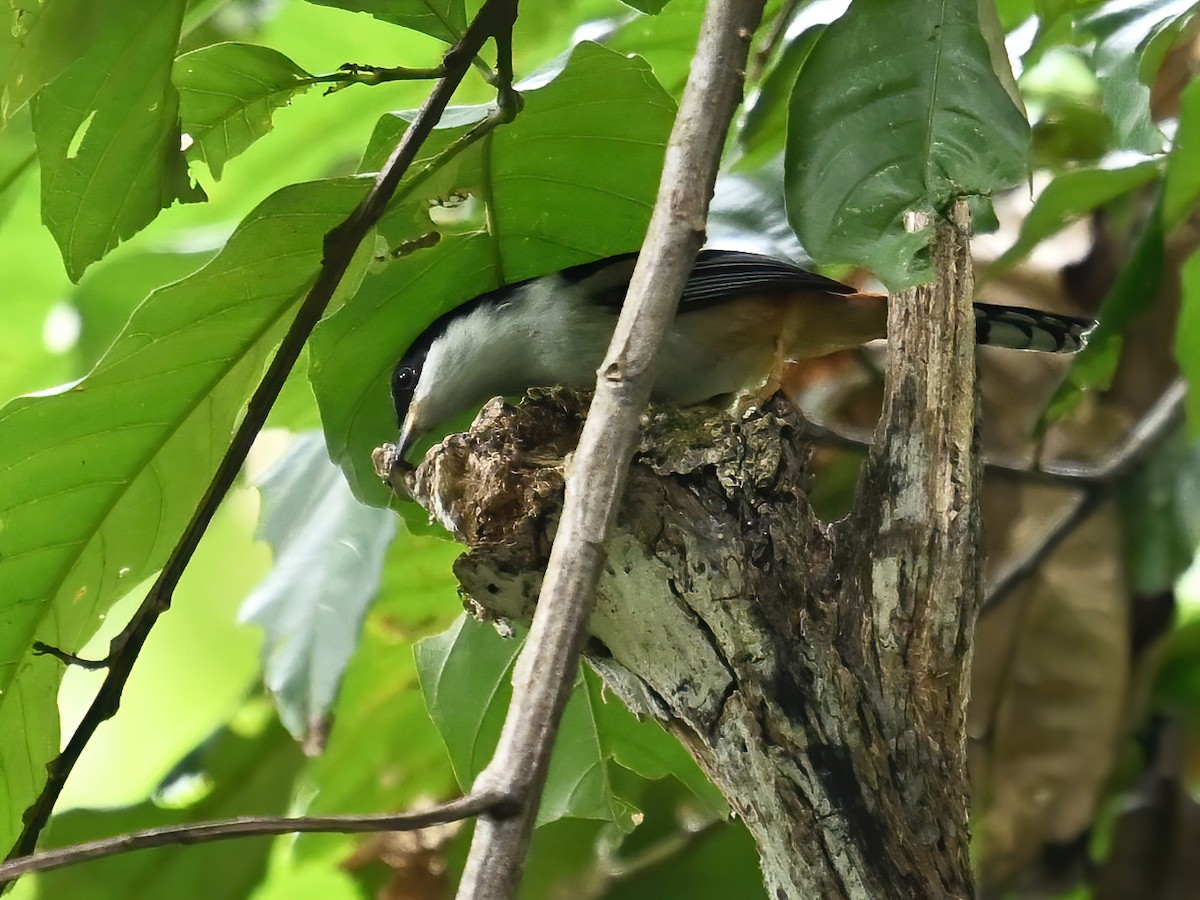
546, 668
496, 17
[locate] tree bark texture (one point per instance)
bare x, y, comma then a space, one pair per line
818, 673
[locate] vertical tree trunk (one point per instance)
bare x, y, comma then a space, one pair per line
817, 673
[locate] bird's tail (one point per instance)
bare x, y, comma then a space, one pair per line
1029, 329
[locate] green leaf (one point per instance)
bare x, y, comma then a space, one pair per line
1187, 337
1181, 193
650, 7
571, 180
98, 479
1124, 30
1070, 196
443, 19
108, 134
46, 41
1133, 291
110, 291
896, 108
246, 775
466, 679
643, 746
329, 552
667, 41
227, 93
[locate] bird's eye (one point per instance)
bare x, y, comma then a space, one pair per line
405, 378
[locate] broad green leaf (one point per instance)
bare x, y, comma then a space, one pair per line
329, 552
667, 41
246, 775
227, 93
466, 679
108, 134
896, 108
1134, 290
572, 179
98, 479
1070, 196
650, 7
1187, 338
45, 42
644, 746
110, 291
1123, 30
443, 19
1181, 192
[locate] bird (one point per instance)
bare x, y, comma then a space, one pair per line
741, 317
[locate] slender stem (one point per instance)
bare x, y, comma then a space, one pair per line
1097, 483
248, 826
1163, 417
546, 668
353, 73
340, 246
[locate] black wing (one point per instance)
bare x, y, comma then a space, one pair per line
720, 274
717, 276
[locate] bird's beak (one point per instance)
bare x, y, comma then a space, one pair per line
409, 435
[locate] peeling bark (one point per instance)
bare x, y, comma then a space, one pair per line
817, 673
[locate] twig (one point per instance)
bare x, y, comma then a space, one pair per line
545, 670
69, 659
1165, 415
774, 38
248, 826
496, 16
1098, 483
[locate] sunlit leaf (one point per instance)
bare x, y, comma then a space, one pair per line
1071, 196
572, 179
896, 108
45, 41
1123, 30
98, 479
227, 93
329, 551
443, 19
108, 134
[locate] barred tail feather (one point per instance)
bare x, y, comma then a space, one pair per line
1029, 329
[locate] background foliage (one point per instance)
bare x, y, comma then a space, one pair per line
166, 177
